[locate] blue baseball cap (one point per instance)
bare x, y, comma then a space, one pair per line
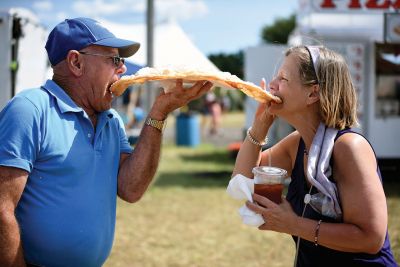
78, 33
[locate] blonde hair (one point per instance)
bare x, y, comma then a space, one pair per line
338, 98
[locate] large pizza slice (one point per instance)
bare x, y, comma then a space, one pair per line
168, 76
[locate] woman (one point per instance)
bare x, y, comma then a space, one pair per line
315, 86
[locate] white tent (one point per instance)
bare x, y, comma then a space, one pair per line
30, 58
172, 47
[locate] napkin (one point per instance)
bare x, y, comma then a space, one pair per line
241, 187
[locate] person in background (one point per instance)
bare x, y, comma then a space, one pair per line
315, 86
215, 110
64, 155
136, 114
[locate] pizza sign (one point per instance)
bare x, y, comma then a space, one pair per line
354, 5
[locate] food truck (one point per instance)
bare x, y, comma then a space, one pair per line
23, 58
367, 34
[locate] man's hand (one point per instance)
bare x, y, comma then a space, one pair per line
177, 97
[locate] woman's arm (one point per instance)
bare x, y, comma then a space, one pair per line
362, 199
250, 155
361, 194
282, 154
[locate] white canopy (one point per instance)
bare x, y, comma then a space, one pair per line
172, 47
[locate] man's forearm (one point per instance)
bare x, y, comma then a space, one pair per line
137, 171
10, 242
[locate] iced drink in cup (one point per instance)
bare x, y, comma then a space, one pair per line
269, 182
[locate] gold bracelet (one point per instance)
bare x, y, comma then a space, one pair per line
317, 232
254, 141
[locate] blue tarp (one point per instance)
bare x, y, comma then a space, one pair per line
132, 68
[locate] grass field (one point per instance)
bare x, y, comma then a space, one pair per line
187, 219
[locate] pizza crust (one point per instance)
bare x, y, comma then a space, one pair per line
168, 76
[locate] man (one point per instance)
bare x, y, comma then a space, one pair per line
64, 156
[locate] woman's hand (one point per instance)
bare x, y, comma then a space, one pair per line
262, 119
278, 217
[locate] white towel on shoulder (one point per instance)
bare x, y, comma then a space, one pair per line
326, 202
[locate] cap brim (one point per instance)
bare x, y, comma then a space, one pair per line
126, 48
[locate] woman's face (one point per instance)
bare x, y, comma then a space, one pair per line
288, 86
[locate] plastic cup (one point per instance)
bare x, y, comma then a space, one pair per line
269, 182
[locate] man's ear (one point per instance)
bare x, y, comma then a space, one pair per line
313, 94
74, 62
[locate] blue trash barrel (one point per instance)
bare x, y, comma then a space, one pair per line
187, 130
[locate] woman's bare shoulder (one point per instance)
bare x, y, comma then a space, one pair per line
353, 154
291, 139
353, 144
287, 147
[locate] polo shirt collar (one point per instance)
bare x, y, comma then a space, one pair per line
64, 101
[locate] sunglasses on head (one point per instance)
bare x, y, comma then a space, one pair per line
117, 60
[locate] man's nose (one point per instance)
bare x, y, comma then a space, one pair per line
121, 69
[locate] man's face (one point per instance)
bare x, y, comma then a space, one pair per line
102, 68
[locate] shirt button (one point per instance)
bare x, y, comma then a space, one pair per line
89, 135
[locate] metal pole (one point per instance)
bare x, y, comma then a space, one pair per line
150, 92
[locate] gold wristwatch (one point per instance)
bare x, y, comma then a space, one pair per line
159, 125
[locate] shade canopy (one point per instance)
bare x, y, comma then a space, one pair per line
172, 46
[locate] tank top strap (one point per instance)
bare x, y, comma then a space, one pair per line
346, 130
298, 168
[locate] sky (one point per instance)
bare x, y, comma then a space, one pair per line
215, 26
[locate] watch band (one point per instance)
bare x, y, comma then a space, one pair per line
159, 125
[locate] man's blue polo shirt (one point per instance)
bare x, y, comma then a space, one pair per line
67, 211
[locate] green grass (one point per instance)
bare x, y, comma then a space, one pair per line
392, 191
186, 219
